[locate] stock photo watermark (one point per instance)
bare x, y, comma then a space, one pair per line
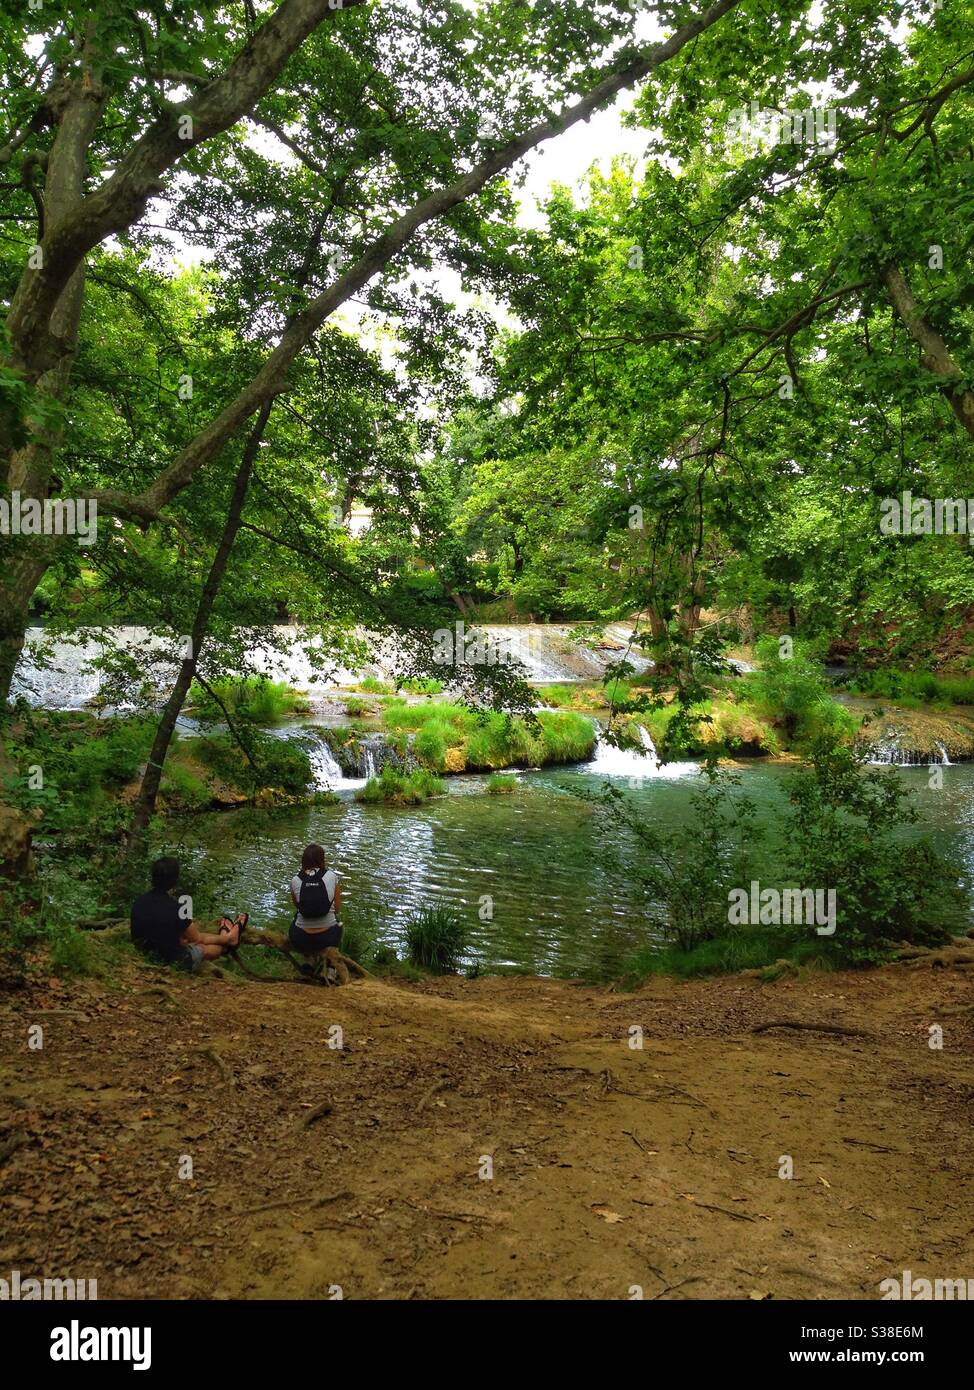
33, 516
922, 516
774, 907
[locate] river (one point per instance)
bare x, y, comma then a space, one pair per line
527, 872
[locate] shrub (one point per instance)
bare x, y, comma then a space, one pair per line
436, 939
844, 832
794, 695
279, 762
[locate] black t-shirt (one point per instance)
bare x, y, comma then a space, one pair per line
156, 924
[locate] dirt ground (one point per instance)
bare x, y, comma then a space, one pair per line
365, 1169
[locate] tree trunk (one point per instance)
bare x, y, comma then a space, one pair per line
152, 777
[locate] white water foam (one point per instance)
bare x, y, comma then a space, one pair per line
634, 763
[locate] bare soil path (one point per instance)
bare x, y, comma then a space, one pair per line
365, 1168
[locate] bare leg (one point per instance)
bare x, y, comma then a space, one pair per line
213, 945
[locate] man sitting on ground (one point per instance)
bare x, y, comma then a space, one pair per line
160, 928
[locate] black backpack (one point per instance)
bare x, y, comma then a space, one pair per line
313, 899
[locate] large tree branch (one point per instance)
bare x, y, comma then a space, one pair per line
935, 355
122, 198
272, 377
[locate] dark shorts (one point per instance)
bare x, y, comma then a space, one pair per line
312, 942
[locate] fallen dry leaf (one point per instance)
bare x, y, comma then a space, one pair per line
607, 1214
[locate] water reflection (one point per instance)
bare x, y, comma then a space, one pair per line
558, 906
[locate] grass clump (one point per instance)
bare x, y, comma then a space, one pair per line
253, 698
394, 788
436, 940
356, 708
422, 685
750, 949
502, 784
453, 737
371, 685
913, 687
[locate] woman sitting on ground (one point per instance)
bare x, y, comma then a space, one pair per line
317, 897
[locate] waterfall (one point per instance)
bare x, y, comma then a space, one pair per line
610, 761
368, 760
888, 751
55, 673
325, 770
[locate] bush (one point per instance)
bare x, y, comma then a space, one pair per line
794, 695
86, 762
844, 832
281, 763
436, 939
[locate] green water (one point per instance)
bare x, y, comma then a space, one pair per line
557, 906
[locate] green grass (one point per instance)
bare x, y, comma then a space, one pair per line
452, 737
752, 949
426, 685
436, 939
356, 708
372, 686
502, 784
914, 687
250, 697
394, 788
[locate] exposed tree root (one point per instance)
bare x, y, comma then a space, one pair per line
814, 1028
297, 1202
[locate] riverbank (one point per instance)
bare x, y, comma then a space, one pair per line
613, 1168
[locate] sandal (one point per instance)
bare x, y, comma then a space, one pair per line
227, 925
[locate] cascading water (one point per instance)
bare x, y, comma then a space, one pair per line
56, 674
889, 752
325, 769
610, 761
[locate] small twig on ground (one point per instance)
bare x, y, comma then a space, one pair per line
694, 1279
433, 1090
317, 1113
211, 1055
